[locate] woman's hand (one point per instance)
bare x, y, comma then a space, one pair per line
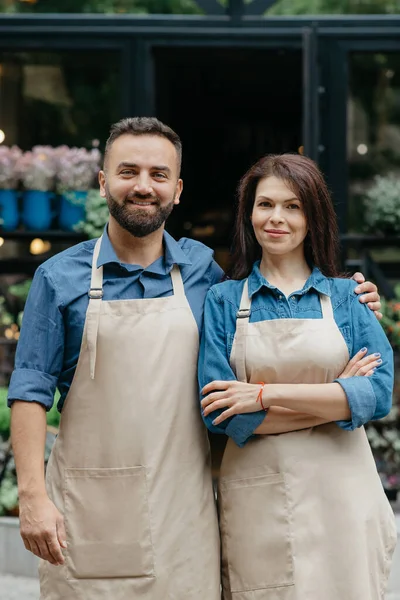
239, 398
361, 365
236, 396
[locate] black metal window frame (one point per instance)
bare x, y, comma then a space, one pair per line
135, 37
334, 125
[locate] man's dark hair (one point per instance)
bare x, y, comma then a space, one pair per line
144, 126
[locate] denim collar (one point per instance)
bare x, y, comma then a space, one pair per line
173, 255
317, 281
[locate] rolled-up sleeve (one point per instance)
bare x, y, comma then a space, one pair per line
40, 349
369, 398
214, 366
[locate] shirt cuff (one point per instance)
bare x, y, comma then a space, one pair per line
30, 385
362, 401
242, 427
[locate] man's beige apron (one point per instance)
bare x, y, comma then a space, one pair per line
303, 515
130, 468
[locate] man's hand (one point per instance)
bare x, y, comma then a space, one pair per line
370, 294
42, 528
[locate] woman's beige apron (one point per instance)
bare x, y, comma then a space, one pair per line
303, 515
130, 468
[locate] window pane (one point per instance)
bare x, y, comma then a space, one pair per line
67, 97
373, 126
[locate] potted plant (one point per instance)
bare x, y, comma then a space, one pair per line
382, 204
77, 168
384, 439
9, 215
37, 170
391, 319
96, 215
384, 435
8, 476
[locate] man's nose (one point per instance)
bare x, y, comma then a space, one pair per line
143, 185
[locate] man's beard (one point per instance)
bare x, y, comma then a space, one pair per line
139, 222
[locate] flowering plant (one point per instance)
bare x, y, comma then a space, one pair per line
382, 204
8, 160
96, 211
391, 318
384, 439
37, 168
76, 168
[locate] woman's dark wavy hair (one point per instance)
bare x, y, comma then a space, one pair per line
304, 178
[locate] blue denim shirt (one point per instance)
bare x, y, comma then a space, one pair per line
368, 397
54, 316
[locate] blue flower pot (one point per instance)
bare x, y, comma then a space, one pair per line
9, 215
73, 209
37, 213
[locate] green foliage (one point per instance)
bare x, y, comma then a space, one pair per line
8, 485
6, 318
21, 290
8, 493
384, 439
334, 7
382, 204
102, 6
391, 318
282, 7
53, 416
96, 215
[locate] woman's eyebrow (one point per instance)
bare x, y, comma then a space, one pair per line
272, 200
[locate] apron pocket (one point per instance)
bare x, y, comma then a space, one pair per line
255, 532
108, 524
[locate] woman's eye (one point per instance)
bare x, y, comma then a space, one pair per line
294, 206
265, 204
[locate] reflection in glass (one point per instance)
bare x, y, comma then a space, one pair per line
58, 98
373, 127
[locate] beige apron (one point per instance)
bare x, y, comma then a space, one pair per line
303, 515
130, 468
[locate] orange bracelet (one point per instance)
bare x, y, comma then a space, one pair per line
260, 394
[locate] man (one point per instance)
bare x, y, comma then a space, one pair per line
128, 509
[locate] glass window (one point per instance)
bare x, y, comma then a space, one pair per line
68, 97
373, 127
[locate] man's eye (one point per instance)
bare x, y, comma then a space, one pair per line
127, 172
160, 175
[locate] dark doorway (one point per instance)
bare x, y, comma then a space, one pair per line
230, 106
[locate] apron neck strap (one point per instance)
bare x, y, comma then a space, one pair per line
177, 283
96, 282
93, 311
326, 307
242, 321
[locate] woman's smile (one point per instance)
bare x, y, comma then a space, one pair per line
276, 233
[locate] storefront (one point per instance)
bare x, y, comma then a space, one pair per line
234, 90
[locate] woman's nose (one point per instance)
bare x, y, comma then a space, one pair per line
276, 215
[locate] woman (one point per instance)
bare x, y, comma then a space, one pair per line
303, 515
